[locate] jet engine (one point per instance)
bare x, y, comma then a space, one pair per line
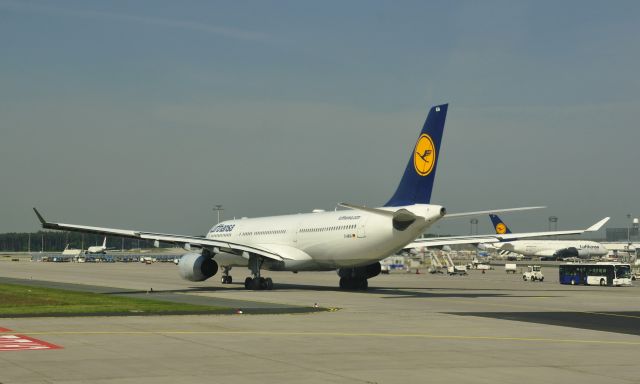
570, 252
197, 267
366, 272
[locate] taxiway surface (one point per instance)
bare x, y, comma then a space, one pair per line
482, 328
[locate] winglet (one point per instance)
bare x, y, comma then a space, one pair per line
42, 220
597, 225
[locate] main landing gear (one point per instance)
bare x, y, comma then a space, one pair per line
256, 282
356, 278
354, 283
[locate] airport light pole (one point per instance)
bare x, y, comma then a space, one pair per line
473, 222
629, 229
217, 209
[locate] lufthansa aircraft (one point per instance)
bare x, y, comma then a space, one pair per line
549, 249
349, 241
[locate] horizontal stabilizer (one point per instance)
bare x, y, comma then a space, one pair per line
400, 215
376, 211
476, 213
497, 237
401, 218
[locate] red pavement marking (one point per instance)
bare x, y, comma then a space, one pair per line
24, 343
4, 330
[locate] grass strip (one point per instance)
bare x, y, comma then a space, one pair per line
24, 300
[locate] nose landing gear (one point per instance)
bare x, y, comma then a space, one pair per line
226, 278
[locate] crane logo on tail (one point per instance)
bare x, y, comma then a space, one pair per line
501, 229
424, 157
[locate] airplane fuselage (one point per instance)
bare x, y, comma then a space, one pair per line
323, 240
547, 248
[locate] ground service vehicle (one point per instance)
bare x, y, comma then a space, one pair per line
533, 273
510, 268
596, 274
457, 270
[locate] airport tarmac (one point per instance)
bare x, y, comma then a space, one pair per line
481, 328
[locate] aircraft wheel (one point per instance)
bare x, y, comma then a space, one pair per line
268, 283
257, 284
248, 283
363, 284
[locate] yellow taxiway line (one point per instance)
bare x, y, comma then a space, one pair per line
337, 334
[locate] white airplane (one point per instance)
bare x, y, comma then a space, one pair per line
551, 249
98, 248
349, 241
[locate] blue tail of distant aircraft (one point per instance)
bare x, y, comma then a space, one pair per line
500, 227
417, 182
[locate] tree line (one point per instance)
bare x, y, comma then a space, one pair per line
56, 241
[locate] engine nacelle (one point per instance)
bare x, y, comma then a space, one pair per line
567, 253
367, 271
197, 267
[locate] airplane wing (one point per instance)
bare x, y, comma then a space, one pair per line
497, 238
181, 240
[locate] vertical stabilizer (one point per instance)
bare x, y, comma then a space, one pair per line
500, 227
417, 182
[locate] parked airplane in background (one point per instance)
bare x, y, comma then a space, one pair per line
98, 248
351, 241
550, 249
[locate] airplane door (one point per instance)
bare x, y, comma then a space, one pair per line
362, 233
294, 233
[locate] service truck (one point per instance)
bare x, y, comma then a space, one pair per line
533, 273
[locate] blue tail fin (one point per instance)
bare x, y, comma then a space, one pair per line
500, 227
417, 182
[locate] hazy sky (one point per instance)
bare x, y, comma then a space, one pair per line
145, 114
